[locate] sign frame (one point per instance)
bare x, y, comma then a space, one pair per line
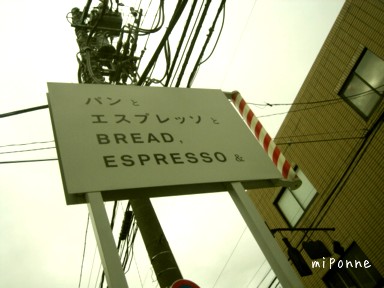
66, 113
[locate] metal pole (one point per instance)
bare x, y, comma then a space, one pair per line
105, 242
268, 245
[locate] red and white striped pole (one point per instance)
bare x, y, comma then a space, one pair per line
263, 137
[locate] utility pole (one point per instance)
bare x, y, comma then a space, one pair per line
159, 251
98, 59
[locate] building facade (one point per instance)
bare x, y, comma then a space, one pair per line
334, 135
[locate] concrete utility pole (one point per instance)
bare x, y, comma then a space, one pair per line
92, 31
159, 251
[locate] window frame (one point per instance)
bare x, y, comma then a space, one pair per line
288, 190
348, 81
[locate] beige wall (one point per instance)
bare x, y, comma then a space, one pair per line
340, 152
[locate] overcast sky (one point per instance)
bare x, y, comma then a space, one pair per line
265, 51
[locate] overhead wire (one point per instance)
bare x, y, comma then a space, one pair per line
84, 248
278, 140
98, 274
161, 9
238, 43
296, 103
257, 271
148, 274
145, 14
129, 248
138, 271
175, 17
319, 140
326, 102
229, 258
167, 53
189, 38
93, 264
265, 276
13, 113
336, 132
354, 158
27, 150
112, 225
294, 111
159, 17
27, 161
218, 37
30, 143
198, 61
273, 282
194, 39
181, 41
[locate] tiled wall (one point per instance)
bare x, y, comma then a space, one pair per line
328, 140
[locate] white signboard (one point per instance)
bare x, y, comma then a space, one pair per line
152, 141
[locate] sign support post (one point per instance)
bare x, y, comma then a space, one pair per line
276, 258
105, 241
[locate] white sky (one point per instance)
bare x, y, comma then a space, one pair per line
265, 52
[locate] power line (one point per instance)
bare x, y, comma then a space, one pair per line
93, 264
230, 256
265, 276
217, 40
189, 38
23, 111
85, 245
331, 101
112, 225
238, 43
98, 273
273, 282
178, 11
364, 130
317, 141
329, 133
257, 271
297, 110
27, 150
27, 161
295, 103
30, 143
186, 26
138, 271
197, 32
198, 61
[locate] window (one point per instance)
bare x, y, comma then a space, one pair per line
355, 275
293, 203
364, 88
